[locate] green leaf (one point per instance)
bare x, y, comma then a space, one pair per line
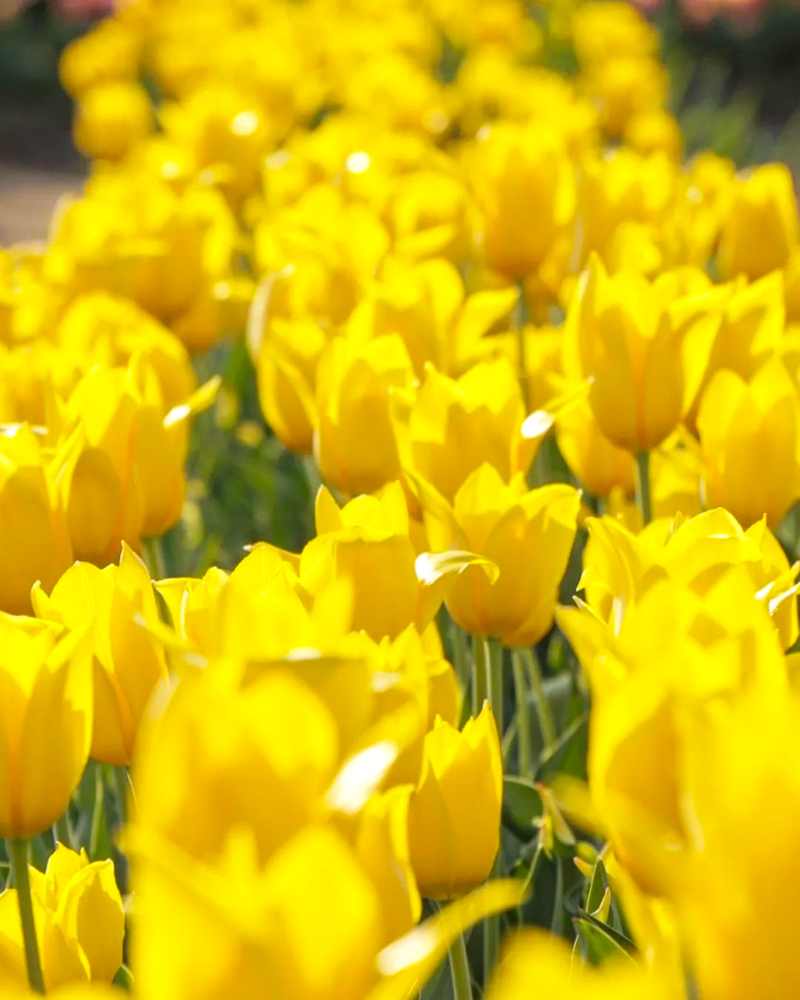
522, 807
601, 942
597, 887
568, 756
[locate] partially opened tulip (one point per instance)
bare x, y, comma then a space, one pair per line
744, 426
46, 718
452, 845
128, 662
79, 920
458, 424
761, 229
528, 535
644, 347
34, 541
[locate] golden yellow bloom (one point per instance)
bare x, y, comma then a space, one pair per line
521, 174
80, 923
456, 425
358, 391
111, 119
644, 347
761, 229
453, 845
34, 543
536, 961
599, 465
527, 535
746, 426
128, 663
46, 714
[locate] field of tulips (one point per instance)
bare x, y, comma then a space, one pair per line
399, 480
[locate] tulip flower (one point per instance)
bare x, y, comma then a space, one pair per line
521, 173
111, 119
644, 349
128, 663
358, 390
537, 961
761, 229
599, 465
453, 846
79, 920
457, 425
34, 543
745, 426
47, 723
528, 535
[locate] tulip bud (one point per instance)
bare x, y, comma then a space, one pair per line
452, 844
46, 723
111, 119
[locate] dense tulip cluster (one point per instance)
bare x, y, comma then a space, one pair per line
528, 352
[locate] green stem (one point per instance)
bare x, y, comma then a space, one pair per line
523, 716
154, 557
543, 712
643, 485
460, 655
494, 684
459, 969
62, 831
18, 856
494, 681
98, 815
479, 690
121, 781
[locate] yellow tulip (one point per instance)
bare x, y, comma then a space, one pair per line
111, 119
453, 845
520, 173
457, 425
46, 713
355, 443
625, 87
538, 962
644, 347
128, 663
746, 426
79, 920
739, 932
34, 542
528, 535
761, 229
599, 465
602, 31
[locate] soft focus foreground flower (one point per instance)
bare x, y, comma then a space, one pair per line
128, 664
743, 425
46, 721
111, 119
79, 921
528, 535
535, 960
34, 541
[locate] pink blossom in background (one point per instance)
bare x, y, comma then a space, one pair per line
84, 8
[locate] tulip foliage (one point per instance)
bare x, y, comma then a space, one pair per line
502, 697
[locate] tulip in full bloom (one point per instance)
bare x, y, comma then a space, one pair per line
80, 923
452, 844
128, 663
46, 722
528, 535
747, 426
